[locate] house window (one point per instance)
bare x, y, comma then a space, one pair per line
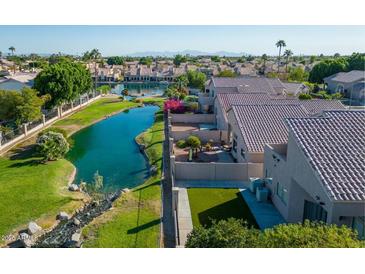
243, 153
282, 193
358, 224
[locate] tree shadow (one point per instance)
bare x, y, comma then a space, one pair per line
143, 227
155, 143
22, 153
147, 186
235, 208
31, 162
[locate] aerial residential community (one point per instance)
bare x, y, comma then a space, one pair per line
182, 149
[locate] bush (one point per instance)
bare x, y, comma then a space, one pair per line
175, 106
191, 98
304, 96
337, 96
193, 106
181, 144
235, 233
52, 146
59, 130
193, 142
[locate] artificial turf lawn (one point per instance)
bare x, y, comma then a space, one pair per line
135, 218
217, 203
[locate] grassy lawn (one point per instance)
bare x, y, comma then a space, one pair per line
93, 113
134, 220
218, 204
30, 190
33, 191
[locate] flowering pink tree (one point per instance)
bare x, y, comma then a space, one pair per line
175, 106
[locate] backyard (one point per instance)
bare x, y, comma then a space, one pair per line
207, 204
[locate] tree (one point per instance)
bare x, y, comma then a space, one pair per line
234, 233
52, 146
21, 107
229, 233
264, 59
196, 79
226, 73
215, 58
312, 59
125, 92
194, 143
146, 61
356, 61
1, 54
280, 44
95, 56
181, 83
288, 53
326, 68
104, 89
304, 96
336, 55
298, 75
12, 49
115, 60
178, 59
64, 82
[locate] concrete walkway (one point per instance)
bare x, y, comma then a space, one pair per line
185, 223
266, 214
211, 184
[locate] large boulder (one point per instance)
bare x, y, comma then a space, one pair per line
76, 222
33, 228
63, 216
25, 239
73, 187
76, 237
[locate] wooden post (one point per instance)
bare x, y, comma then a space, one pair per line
44, 119
25, 128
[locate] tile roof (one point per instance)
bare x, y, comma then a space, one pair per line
347, 77
335, 148
294, 88
316, 106
265, 124
226, 100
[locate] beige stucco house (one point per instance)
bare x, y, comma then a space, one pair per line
319, 173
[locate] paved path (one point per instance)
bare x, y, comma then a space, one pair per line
168, 223
184, 220
211, 184
266, 214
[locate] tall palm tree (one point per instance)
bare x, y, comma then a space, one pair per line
1, 54
287, 54
12, 49
280, 44
264, 58
95, 55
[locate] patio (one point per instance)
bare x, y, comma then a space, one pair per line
218, 155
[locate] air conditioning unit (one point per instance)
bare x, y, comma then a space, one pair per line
255, 183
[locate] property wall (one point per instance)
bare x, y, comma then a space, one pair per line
193, 118
222, 121
203, 135
217, 171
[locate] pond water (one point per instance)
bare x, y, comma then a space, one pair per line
109, 148
140, 89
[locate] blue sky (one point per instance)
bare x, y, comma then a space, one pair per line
122, 40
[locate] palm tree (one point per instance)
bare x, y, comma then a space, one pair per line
1, 54
95, 55
12, 49
280, 44
264, 58
181, 83
287, 54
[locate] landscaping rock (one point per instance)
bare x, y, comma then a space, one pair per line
76, 221
25, 239
33, 228
153, 170
63, 216
73, 187
76, 237
125, 190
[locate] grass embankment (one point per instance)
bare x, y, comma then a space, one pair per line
94, 113
135, 218
30, 190
217, 203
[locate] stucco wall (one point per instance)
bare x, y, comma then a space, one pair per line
203, 135
193, 118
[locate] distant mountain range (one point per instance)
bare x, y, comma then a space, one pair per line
186, 52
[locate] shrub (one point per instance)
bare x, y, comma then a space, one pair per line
52, 146
175, 106
59, 130
191, 98
193, 142
337, 96
181, 144
304, 96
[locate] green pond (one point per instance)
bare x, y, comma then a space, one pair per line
109, 148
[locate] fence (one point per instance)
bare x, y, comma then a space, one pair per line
10, 138
193, 118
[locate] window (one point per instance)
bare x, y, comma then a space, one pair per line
243, 153
282, 193
358, 224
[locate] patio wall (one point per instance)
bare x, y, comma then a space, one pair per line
193, 118
203, 135
217, 171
